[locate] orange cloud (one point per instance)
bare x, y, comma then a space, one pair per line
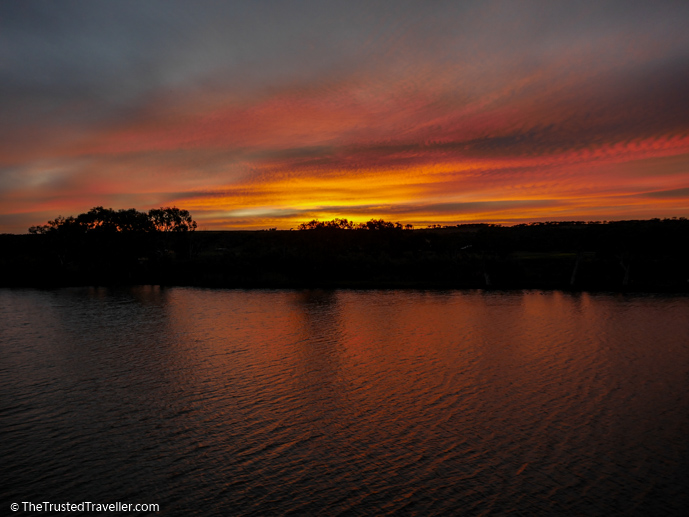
547, 144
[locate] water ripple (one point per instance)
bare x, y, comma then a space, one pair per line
346, 403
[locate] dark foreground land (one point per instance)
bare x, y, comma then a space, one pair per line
648, 255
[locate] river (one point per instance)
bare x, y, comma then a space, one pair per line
267, 402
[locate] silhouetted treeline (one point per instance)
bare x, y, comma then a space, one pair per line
344, 224
107, 220
650, 255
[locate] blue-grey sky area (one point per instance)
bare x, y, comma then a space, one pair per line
259, 114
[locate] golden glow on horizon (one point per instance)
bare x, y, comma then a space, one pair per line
420, 114
287, 159
576, 184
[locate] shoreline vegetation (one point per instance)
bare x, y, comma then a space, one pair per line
162, 247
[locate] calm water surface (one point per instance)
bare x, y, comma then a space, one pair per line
214, 402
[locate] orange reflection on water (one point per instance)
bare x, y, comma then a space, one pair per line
363, 399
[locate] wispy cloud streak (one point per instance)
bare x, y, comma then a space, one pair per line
254, 115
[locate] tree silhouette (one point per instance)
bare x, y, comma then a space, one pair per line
171, 219
344, 224
380, 224
106, 220
335, 224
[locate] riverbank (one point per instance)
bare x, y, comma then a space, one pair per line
645, 256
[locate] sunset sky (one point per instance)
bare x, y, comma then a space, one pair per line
256, 114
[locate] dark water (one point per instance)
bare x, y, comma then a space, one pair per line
212, 402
